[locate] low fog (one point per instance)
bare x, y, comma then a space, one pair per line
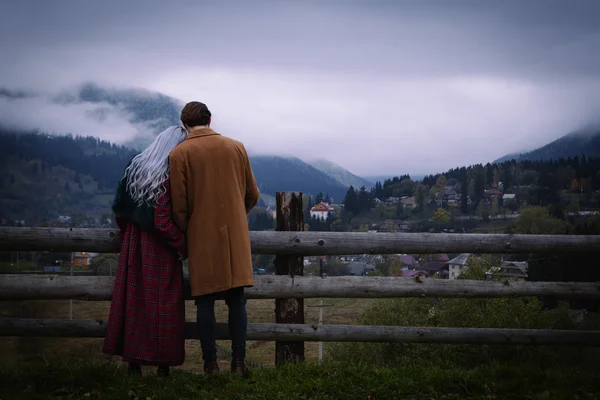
413, 87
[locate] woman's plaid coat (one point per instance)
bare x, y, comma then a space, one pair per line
147, 312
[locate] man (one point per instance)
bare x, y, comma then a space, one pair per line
213, 189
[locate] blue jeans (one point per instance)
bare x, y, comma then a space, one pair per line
238, 323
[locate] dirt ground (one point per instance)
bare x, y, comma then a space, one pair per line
337, 311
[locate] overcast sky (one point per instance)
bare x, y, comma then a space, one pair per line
377, 87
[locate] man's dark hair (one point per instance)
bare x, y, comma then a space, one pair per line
195, 114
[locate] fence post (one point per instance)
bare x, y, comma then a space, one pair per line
290, 217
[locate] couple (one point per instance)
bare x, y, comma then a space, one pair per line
186, 196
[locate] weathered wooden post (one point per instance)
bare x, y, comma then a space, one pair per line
290, 217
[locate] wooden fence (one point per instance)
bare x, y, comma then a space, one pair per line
289, 287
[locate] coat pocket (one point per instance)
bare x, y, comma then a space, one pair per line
225, 247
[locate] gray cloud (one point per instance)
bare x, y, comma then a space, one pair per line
101, 120
378, 87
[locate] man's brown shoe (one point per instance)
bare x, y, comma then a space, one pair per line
211, 367
238, 367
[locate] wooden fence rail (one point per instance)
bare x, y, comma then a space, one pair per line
290, 243
31, 327
55, 287
315, 243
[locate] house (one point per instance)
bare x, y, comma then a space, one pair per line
360, 268
453, 203
83, 258
516, 270
451, 197
509, 198
434, 267
272, 213
492, 193
321, 210
64, 218
402, 225
408, 261
409, 202
412, 273
457, 264
392, 201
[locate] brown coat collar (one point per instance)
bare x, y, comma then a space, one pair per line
200, 131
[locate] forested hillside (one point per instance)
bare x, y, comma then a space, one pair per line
287, 174
577, 144
43, 176
340, 174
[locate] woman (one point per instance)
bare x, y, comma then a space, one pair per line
147, 312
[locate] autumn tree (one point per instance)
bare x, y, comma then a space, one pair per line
574, 184
395, 268
441, 217
437, 191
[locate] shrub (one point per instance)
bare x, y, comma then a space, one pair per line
517, 313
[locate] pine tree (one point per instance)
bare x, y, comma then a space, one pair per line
365, 202
351, 201
464, 196
319, 198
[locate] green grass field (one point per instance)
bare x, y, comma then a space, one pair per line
338, 311
101, 380
74, 368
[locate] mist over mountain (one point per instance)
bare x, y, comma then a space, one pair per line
80, 172
152, 112
339, 173
576, 144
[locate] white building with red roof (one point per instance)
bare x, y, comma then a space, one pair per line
321, 210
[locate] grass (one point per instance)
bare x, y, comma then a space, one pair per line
100, 380
339, 311
74, 368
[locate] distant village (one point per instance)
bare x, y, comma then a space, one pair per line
408, 266
438, 266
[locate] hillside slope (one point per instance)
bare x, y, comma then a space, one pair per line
339, 173
43, 176
287, 174
585, 142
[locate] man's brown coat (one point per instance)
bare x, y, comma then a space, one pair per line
213, 188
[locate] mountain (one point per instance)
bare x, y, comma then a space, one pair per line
285, 174
584, 142
339, 173
151, 111
43, 176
